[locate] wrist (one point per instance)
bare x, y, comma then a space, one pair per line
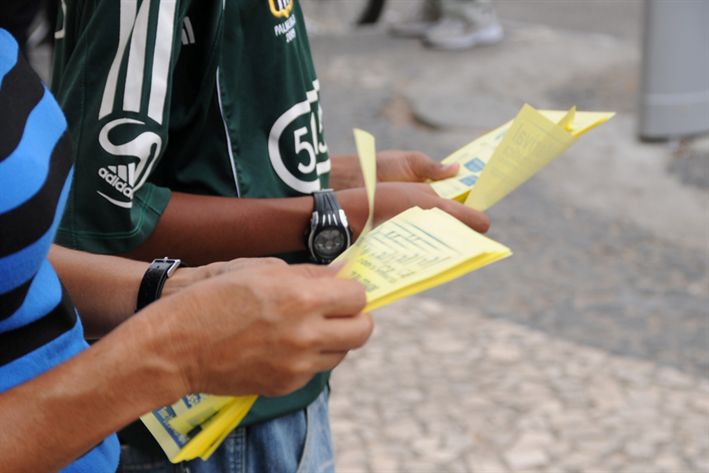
329, 232
345, 172
354, 203
160, 356
183, 278
138, 358
154, 279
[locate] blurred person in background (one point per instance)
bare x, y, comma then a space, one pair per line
452, 24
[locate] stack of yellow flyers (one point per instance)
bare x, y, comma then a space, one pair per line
498, 162
197, 424
411, 252
417, 250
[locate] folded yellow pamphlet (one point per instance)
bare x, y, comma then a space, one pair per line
417, 250
194, 426
499, 161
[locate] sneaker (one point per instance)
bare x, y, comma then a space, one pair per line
464, 33
418, 23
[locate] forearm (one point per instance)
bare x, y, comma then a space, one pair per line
203, 229
63, 413
105, 288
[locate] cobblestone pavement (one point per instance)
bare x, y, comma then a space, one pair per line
588, 350
443, 389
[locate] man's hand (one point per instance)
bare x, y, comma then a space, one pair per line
262, 328
186, 276
265, 329
392, 198
392, 166
411, 166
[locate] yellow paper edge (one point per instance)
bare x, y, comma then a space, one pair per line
441, 278
367, 155
214, 428
574, 122
186, 421
487, 252
526, 108
237, 417
166, 442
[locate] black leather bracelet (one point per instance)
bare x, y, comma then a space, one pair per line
154, 280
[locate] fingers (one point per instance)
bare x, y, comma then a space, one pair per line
346, 333
330, 295
328, 361
437, 171
341, 297
424, 168
476, 220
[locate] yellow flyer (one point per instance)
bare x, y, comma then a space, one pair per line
417, 250
544, 126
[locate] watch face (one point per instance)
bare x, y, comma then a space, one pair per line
329, 242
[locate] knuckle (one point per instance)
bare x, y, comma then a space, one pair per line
305, 339
306, 298
298, 369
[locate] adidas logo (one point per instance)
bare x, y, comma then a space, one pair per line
121, 177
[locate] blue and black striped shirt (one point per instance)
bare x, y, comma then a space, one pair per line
39, 327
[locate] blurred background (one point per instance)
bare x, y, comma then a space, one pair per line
588, 350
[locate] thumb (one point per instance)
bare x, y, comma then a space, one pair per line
430, 169
478, 221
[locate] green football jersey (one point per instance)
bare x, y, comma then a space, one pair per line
210, 97
214, 97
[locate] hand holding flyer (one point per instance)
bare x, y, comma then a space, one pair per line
498, 162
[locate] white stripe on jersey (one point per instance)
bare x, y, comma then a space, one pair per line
60, 33
136, 60
161, 59
127, 18
187, 31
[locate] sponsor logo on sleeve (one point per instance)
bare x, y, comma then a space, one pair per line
140, 70
138, 154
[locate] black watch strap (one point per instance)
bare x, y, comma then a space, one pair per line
154, 280
326, 203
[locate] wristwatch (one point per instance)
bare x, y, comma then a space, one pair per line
329, 233
154, 279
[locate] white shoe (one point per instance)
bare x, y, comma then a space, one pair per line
411, 29
417, 24
463, 33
